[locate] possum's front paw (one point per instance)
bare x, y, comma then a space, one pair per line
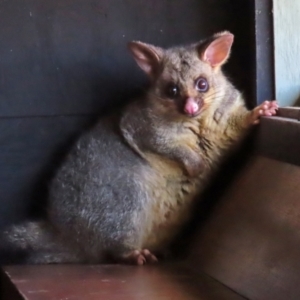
267, 108
194, 166
140, 257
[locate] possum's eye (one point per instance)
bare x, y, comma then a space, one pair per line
201, 85
172, 90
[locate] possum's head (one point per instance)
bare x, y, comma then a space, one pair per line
185, 80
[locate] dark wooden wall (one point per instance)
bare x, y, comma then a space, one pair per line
64, 62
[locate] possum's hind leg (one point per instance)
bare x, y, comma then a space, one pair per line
35, 243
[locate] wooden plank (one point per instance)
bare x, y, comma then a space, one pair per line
70, 57
289, 112
30, 149
251, 241
7, 288
264, 41
278, 138
111, 282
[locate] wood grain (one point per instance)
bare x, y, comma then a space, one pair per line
278, 138
113, 282
251, 242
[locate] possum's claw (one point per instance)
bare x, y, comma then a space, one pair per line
267, 108
140, 257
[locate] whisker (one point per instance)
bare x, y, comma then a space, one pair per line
217, 95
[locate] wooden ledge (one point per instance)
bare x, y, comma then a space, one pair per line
289, 112
110, 282
278, 138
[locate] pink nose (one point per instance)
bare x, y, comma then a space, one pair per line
191, 106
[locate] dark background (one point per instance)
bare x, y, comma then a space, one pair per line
62, 63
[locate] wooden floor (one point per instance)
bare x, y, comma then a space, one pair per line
110, 282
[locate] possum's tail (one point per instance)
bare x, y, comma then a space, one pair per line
35, 243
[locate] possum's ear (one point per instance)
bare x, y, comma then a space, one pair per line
148, 57
217, 51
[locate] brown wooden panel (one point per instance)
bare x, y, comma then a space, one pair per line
289, 112
278, 138
113, 282
251, 242
264, 42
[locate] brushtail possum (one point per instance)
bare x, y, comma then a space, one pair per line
129, 184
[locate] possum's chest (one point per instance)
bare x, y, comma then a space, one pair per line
171, 198
169, 207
